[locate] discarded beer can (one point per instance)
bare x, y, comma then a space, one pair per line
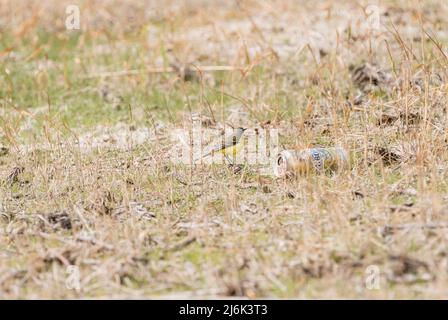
290, 162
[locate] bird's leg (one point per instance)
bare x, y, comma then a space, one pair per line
228, 159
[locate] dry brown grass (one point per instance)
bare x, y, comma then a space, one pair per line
86, 179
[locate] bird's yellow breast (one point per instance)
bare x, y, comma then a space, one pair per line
233, 150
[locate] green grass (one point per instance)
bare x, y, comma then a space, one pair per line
253, 236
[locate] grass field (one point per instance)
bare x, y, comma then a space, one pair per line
86, 180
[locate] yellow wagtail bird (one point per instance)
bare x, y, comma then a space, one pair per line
229, 146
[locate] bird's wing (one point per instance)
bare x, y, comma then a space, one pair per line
220, 144
214, 148
231, 141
